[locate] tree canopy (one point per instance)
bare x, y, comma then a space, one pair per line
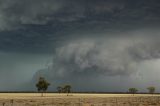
42, 85
133, 90
151, 89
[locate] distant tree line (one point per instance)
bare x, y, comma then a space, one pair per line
64, 89
42, 86
150, 89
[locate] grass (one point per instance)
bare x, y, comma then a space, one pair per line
75, 99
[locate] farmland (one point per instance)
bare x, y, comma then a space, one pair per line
78, 99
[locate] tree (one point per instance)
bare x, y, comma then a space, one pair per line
67, 89
59, 89
133, 90
151, 89
42, 85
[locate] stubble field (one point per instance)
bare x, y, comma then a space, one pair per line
55, 99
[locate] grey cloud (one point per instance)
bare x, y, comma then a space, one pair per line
110, 57
82, 61
91, 57
20, 13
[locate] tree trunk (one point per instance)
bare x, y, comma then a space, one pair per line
41, 94
67, 93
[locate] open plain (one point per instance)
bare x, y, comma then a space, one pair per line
78, 99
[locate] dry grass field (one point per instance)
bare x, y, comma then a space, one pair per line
53, 99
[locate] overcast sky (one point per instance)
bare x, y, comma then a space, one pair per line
94, 45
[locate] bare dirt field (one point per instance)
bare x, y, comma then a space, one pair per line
53, 99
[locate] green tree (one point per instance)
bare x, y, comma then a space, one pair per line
42, 85
151, 89
67, 89
133, 90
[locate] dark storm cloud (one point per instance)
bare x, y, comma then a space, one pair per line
40, 12
91, 40
28, 25
32, 25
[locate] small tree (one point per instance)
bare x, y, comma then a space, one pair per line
133, 90
67, 89
42, 85
59, 89
151, 89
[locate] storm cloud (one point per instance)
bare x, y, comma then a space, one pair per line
18, 14
92, 43
97, 58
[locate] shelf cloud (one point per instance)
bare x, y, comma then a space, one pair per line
94, 44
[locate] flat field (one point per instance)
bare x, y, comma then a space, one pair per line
78, 99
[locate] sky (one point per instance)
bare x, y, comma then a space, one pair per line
93, 45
